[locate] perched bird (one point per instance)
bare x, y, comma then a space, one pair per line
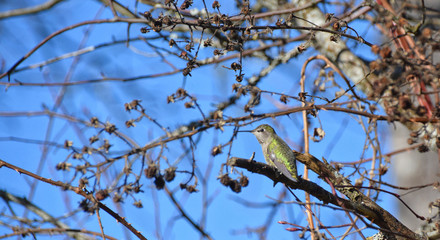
276, 152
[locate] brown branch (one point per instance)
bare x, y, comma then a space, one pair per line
200, 126
29, 10
193, 23
285, 11
185, 215
407, 149
52, 231
308, 186
377, 214
45, 217
398, 196
102, 80
359, 203
78, 191
306, 147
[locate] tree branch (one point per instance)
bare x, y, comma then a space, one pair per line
29, 10
359, 203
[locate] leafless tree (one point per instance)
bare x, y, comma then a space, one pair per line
143, 100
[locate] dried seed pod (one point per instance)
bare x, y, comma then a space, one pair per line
94, 122
110, 128
284, 99
235, 186
87, 206
63, 166
151, 171
117, 198
159, 182
423, 148
239, 78
170, 174
216, 5
191, 188
244, 181
101, 194
68, 144
225, 180
235, 66
383, 169
138, 204
93, 139
216, 150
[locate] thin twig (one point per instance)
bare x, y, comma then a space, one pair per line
185, 215
306, 149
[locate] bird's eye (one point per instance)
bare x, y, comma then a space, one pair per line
261, 130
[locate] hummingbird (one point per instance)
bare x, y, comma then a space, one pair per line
276, 152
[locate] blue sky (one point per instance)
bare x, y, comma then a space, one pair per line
211, 85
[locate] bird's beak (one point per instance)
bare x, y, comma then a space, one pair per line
245, 131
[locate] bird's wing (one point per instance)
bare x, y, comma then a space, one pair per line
279, 163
